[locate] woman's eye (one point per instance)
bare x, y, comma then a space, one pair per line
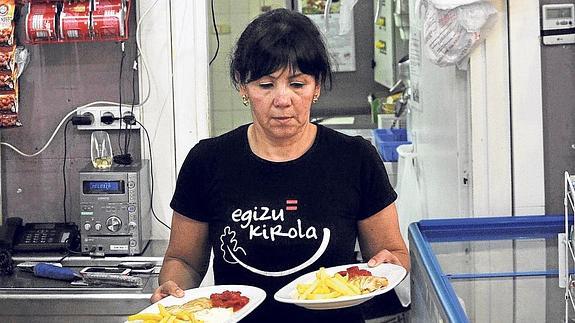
298, 85
266, 85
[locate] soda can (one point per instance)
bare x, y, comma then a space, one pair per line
108, 19
75, 21
41, 22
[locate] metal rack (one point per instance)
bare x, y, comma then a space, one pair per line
565, 247
91, 29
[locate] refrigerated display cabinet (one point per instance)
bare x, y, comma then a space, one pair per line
493, 269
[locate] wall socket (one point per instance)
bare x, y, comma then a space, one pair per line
99, 111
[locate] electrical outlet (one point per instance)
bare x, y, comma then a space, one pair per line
99, 111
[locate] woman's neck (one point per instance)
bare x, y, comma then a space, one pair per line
284, 149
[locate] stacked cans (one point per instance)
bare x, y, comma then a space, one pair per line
8, 66
108, 19
74, 22
41, 21
78, 20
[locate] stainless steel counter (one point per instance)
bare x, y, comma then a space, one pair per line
26, 298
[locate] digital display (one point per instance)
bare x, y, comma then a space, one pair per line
103, 187
556, 13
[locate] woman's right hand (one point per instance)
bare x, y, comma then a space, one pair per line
166, 289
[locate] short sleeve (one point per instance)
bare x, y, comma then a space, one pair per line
376, 190
189, 197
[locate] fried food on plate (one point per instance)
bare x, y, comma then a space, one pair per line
218, 308
353, 281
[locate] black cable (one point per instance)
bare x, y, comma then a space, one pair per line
120, 97
128, 138
68, 252
217, 34
65, 256
124, 158
64, 169
151, 175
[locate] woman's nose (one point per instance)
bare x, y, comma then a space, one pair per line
282, 100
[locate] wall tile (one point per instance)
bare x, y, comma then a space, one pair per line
223, 120
241, 117
221, 101
220, 7
238, 7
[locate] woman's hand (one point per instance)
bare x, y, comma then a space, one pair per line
166, 289
384, 256
380, 239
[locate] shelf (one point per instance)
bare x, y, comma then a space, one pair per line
56, 21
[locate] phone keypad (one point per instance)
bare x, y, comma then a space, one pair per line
40, 236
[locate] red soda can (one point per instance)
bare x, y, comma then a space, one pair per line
41, 22
75, 21
108, 19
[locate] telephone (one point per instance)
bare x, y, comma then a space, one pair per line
38, 236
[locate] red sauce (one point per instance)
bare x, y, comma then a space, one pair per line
354, 271
229, 299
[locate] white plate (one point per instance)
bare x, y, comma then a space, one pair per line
256, 296
288, 293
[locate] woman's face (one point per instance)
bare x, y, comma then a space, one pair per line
281, 102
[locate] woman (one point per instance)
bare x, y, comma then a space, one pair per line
282, 196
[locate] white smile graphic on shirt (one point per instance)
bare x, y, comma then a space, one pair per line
229, 247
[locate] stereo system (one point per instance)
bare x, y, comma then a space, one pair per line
115, 209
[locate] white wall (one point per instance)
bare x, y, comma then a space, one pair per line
173, 40
526, 108
490, 121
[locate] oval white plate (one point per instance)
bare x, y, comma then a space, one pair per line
256, 296
288, 293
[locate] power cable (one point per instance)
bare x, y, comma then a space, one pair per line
151, 176
64, 170
217, 34
123, 56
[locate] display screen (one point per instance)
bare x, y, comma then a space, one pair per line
103, 187
557, 13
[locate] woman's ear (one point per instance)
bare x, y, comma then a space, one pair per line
243, 90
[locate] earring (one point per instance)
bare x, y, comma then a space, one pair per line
315, 98
245, 100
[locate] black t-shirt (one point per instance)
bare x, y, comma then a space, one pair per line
270, 222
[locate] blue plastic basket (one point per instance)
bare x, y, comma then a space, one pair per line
387, 141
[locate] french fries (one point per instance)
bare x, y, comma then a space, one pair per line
327, 286
180, 316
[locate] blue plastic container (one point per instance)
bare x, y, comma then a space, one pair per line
387, 141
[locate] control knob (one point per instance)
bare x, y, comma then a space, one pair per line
97, 226
87, 226
114, 224
132, 226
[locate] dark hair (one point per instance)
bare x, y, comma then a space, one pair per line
277, 39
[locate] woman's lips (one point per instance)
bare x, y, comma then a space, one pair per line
282, 119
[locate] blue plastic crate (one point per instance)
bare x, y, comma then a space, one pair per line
387, 141
390, 134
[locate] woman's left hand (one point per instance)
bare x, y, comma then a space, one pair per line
384, 256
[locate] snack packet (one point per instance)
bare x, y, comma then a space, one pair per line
8, 101
9, 120
7, 61
7, 8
